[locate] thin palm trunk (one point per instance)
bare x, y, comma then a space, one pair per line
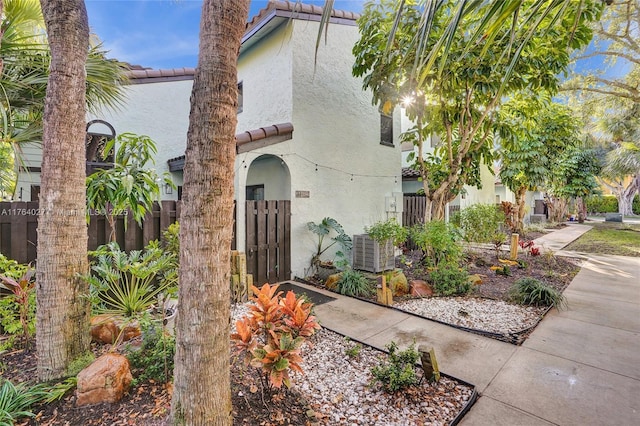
202, 393
62, 332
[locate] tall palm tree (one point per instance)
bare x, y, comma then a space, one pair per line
202, 393
62, 315
23, 79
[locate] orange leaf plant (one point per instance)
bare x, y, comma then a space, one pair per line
271, 335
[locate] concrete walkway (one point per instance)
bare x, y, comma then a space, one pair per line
581, 366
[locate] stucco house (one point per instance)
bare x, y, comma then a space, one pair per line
307, 132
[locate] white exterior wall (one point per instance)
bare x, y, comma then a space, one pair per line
335, 127
266, 76
160, 111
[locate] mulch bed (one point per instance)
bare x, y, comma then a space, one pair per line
150, 403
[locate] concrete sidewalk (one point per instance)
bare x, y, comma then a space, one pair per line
580, 366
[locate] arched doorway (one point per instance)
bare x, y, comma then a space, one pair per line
268, 220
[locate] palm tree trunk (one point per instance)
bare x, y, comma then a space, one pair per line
62, 332
202, 392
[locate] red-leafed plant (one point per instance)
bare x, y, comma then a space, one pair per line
21, 289
271, 335
529, 245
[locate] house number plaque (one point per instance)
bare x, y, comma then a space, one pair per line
302, 194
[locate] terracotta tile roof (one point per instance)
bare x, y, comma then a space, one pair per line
297, 8
141, 75
138, 74
408, 172
283, 130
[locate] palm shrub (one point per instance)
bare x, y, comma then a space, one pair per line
354, 283
16, 401
530, 291
480, 222
398, 370
438, 241
450, 280
129, 284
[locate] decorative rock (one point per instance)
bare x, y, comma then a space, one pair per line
332, 281
105, 380
420, 288
106, 328
398, 283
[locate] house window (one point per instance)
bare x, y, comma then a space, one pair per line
240, 100
386, 130
35, 192
255, 192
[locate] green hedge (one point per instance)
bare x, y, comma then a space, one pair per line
602, 204
609, 204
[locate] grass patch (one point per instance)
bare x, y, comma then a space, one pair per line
620, 239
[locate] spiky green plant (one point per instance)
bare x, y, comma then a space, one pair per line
530, 291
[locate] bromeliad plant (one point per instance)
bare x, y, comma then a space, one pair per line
271, 335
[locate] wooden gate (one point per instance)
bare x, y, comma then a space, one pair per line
268, 245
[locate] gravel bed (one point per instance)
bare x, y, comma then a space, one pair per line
495, 316
338, 387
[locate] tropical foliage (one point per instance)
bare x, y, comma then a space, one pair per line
271, 336
129, 284
26, 58
130, 185
452, 96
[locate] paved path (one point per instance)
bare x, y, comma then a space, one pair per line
581, 366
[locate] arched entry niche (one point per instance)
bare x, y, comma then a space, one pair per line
268, 178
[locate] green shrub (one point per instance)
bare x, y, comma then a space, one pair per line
16, 401
398, 370
481, 222
449, 280
635, 205
354, 283
154, 359
385, 232
602, 204
353, 351
438, 241
530, 291
11, 268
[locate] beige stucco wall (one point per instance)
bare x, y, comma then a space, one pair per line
335, 128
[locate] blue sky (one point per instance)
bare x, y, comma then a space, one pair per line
160, 33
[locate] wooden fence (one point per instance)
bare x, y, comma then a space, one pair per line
414, 209
269, 240
19, 222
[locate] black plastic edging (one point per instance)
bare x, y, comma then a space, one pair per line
511, 338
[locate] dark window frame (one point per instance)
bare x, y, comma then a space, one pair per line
386, 130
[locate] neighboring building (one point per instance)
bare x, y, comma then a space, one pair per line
472, 195
307, 132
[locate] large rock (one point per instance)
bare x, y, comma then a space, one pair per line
106, 328
398, 283
107, 379
332, 281
420, 288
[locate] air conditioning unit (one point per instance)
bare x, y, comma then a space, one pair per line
369, 256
